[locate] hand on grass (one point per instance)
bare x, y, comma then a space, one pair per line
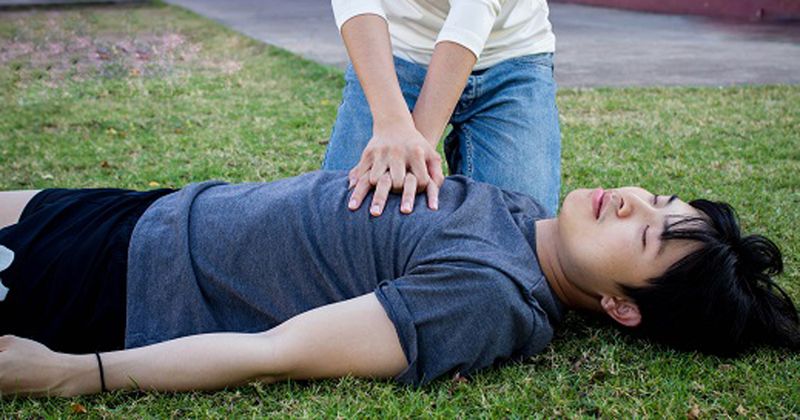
397, 159
30, 368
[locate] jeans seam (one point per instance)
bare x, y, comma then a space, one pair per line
468, 146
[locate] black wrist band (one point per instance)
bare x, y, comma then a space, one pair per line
102, 374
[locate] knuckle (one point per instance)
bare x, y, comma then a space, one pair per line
418, 152
369, 153
374, 177
381, 151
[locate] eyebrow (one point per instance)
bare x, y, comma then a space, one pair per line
661, 242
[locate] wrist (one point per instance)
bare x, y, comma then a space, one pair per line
81, 375
393, 124
428, 130
432, 136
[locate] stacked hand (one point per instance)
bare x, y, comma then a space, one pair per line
397, 159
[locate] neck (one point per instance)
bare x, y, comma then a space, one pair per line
547, 249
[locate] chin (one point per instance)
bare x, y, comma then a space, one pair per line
574, 200
568, 210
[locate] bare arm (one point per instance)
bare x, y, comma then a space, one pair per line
367, 41
353, 337
396, 147
447, 75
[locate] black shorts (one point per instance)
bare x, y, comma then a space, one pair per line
67, 283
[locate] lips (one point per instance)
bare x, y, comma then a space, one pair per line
597, 201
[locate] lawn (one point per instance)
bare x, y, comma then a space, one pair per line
149, 96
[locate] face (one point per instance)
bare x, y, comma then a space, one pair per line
611, 237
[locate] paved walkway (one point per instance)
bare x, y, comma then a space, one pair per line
595, 46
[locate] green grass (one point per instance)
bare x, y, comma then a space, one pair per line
218, 105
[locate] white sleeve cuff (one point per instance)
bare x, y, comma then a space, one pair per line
344, 10
463, 37
469, 23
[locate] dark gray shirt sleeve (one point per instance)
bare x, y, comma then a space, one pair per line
458, 317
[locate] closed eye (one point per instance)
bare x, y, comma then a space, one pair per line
670, 200
644, 236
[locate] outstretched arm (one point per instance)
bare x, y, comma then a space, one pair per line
353, 337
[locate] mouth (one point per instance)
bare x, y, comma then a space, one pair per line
597, 201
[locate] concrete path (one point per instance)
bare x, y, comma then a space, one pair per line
595, 46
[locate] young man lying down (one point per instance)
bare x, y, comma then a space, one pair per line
217, 285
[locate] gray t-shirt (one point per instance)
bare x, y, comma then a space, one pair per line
462, 285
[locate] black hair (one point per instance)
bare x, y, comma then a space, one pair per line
720, 299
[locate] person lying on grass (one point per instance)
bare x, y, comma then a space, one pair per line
217, 285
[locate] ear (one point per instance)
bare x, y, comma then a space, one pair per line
621, 310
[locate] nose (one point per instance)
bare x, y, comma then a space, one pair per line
630, 204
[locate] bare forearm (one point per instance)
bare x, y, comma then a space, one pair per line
352, 337
199, 362
367, 40
447, 75
397, 153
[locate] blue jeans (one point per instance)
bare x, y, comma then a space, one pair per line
505, 126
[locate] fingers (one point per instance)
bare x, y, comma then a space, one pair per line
432, 191
353, 176
382, 190
379, 167
409, 177
397, 170
362, 167
437, 179
420, 171
381, 194
361, 189
435, 169
409, 192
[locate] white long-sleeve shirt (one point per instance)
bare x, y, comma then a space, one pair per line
494, 30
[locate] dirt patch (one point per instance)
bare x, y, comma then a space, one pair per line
48, 49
